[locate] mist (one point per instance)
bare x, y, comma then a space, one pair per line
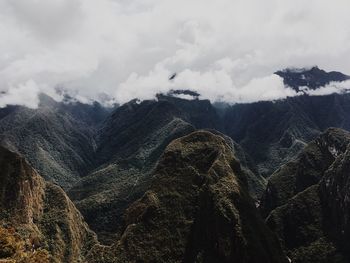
114, 51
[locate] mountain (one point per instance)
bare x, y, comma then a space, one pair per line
307, 201
130, 143
272, 133
306, 170
38, 222
108, 159
312, 78
196, 209
57, 138
102, 158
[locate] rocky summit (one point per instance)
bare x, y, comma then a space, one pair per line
197, 209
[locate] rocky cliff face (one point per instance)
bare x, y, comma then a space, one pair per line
38, 221
197, 209
305, 170
309, 198
335, 192
21, 188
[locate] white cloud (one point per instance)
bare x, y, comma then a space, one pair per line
333, 87
216, 85
25, 94
225, 49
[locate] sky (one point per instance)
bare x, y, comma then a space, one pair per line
118, 50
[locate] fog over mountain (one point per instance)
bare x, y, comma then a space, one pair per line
113, 50
139, 131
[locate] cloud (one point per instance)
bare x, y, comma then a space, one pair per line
25, 94
333, 87
216, 85
224, 49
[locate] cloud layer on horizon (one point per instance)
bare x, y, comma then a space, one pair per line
226, 50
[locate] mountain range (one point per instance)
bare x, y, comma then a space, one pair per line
172, 180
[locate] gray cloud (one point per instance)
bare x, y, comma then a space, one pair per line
224, 49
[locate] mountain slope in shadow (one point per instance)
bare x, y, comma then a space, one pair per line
196, 209
307, 201
38, 222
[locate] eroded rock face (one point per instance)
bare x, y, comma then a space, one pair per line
335, 196
312, 221
21, 189
38, 216
305, 170
197, 209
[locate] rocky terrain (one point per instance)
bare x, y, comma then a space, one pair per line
306, 201
197, 209
39, 223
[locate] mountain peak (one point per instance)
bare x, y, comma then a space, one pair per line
313, 77
197, 197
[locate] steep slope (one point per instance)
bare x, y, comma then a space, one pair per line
335, 191
57, 138
133, 120
38, 221
271, 133
130, 143
310, 196
305, 170
197, 209
256, 183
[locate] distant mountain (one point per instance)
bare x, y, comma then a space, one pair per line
271, 133
57, 138
312, 78
307, 201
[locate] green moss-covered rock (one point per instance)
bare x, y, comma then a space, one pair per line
197, 209
312, 221
42, 218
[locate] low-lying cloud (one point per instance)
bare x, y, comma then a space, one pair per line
25, 94
226, 50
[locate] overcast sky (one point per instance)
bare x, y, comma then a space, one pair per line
225, 49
